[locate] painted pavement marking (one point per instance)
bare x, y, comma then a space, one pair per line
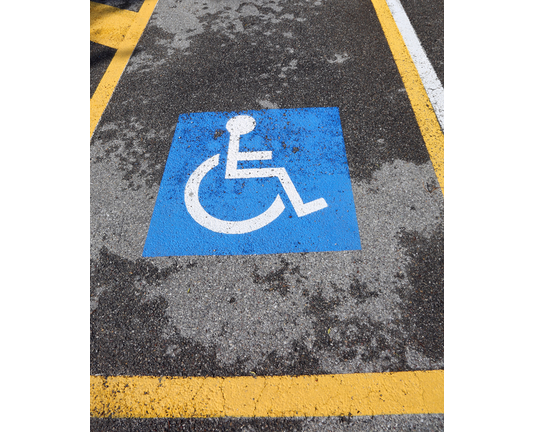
280, 396
421, 105
432, 84
105, 28
109, 25
258, 182
364, 394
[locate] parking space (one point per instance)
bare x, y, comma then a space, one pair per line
267, 214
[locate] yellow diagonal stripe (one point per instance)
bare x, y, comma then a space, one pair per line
109, 25
107, 84
423, 110
417, 392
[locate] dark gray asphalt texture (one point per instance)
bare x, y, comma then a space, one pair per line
269, 314
413, 423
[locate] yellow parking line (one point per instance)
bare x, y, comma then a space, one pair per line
418, 392
107, 84
109, 25
423, 110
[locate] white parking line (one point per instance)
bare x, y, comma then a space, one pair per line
432, 84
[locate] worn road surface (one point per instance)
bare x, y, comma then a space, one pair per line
310, 309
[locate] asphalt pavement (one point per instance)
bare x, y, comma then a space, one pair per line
310, 309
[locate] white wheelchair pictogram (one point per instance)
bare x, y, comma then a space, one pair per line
238, 126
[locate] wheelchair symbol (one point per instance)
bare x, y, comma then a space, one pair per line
237, 126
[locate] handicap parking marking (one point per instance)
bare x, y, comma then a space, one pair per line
297, 315
255, 182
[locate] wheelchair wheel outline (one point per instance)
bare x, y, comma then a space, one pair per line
203, 218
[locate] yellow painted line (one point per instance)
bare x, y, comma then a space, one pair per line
417, 392
109, 25
111, 77
423, 110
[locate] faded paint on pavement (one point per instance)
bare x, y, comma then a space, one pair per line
375, 310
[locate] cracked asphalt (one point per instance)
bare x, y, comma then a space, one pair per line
379, 309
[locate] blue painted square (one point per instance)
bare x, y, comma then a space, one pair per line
200, 212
